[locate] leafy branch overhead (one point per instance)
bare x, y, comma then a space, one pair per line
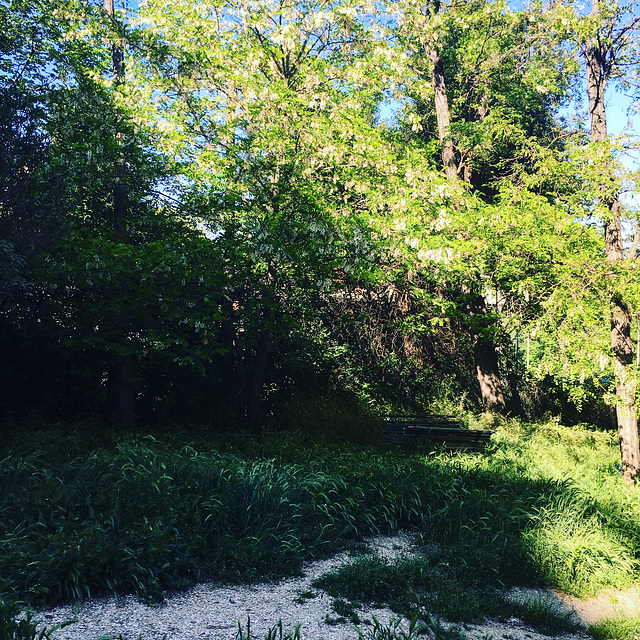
274, 197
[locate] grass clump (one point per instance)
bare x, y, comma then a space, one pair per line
397, 629
277, 632
620, 627
147, 516
545, 613
369, 579
345, 610
410, 586
18, 622
578, 555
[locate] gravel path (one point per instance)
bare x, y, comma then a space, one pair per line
209, 612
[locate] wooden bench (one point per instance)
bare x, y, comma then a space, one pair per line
441, 430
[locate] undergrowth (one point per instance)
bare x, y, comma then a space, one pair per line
18, 622
619, 627
85, 512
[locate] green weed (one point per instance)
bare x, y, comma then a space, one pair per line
577, 554
276, 632
620, 627
18, 622
86, 512
408, 585
345, 610
545, 614
305, 595
396, 629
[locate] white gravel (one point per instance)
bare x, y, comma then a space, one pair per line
210, 612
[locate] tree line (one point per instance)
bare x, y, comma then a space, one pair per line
211, 209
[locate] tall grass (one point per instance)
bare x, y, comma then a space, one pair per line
86, 512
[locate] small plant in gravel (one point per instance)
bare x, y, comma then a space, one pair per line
303, 596
397, 629
370, 579
346, 610
276, 632
545, 615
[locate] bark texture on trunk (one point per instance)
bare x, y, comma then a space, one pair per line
488, 376
486, 358
625, 397
598, 71
442, 114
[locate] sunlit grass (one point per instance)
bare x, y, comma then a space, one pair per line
620, 627
86, 512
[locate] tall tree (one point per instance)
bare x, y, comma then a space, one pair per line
122, 374
432, 32
267, 104
118, 73
606, 43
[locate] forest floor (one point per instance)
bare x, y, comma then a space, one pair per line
217, 612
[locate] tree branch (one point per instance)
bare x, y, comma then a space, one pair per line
634, 246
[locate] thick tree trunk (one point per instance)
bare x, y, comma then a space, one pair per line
442, 114
625, 392
488, 376
598, 73
486, 358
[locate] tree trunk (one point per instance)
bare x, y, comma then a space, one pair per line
442, 114
598, 73
123, 374
486, 358
625, 392
124, 392
232, 340
257, 379
488, 376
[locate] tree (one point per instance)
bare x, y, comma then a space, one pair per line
124, 392
606, 42
268, 107
493, 117
32, 194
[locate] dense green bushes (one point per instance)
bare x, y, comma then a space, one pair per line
88, 512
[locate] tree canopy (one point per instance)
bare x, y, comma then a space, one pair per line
217, 209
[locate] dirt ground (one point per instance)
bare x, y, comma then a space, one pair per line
607, 605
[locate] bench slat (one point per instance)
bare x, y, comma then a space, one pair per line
440, 429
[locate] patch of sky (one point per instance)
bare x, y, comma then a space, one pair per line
388, 111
